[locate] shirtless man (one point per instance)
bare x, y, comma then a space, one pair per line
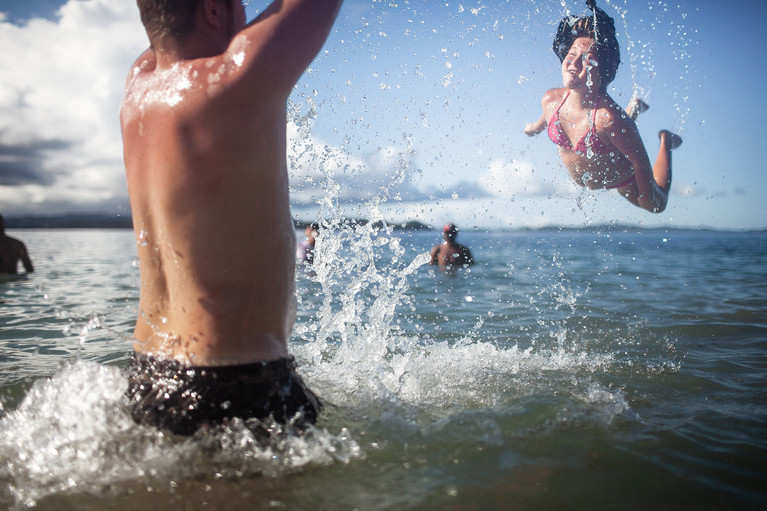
11, 252
450, 254
204, 132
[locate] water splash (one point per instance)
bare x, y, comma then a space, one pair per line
666, 30
73, 434
363, 355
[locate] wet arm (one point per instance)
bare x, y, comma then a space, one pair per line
547, 104
536, 127
434, 256
281, 42
26, 261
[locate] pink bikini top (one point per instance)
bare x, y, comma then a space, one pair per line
586, 142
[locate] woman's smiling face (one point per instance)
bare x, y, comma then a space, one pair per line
580, 63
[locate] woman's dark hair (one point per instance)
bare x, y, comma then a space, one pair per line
599, 27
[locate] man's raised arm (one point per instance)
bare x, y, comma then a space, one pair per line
283, 40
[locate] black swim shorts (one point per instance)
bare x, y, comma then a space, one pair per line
169, 395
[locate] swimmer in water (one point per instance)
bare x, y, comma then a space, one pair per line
305, 252
598, 142
12, 251
450, 254
203, 121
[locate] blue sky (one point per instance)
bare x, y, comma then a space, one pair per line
413, 111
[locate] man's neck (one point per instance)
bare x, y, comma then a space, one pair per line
196, 46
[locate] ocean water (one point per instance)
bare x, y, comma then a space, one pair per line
578, 369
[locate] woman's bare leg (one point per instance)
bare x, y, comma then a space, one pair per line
636, 106
662, 169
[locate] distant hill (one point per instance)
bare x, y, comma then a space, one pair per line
103, 221
411, 225
94, 221
73, 221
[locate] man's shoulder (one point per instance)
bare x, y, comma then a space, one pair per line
12, 244
145, 64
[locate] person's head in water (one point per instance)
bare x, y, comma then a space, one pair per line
450, 231
312, 231
600, 29
166, 20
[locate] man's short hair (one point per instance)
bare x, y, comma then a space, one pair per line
167, 18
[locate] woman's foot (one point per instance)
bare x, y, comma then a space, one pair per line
672, 139
636, 107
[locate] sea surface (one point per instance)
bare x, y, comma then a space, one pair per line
568, 369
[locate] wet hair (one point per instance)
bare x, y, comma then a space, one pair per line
601, 28
2, 224
167, 18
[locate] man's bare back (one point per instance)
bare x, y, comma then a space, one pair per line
204, 133
450, 254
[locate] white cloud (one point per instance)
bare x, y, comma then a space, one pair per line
60, 144
690, 190
60, 92
492, 212
509, 179
324, 174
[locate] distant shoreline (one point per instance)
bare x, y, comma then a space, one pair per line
87, 221
73, 221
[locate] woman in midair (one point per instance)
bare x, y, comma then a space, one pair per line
598, 141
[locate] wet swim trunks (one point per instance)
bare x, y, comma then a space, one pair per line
169, 395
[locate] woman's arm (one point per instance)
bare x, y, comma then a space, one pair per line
550, 98
536, 127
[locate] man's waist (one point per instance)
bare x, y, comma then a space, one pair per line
198, 353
